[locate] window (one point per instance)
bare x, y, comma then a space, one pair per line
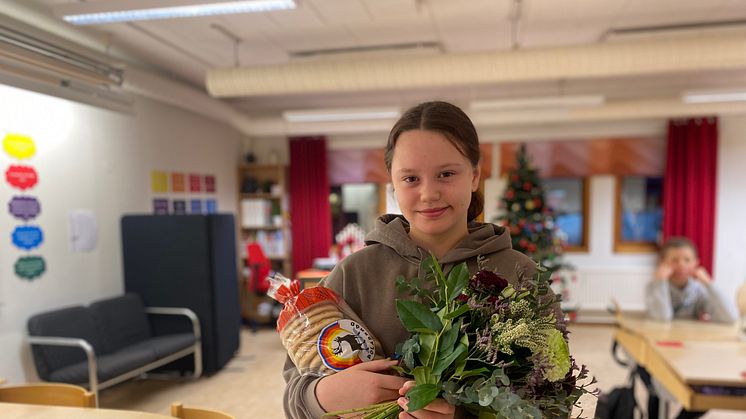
639, 213
568, 198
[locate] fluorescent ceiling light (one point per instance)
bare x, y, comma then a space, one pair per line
114, 11
328, 115
714, 96
537, 103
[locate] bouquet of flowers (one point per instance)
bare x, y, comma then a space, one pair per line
497, 349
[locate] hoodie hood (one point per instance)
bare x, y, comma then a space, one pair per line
483, 239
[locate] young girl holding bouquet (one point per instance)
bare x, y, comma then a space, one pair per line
432, 156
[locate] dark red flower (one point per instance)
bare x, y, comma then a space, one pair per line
488, 281
462, 298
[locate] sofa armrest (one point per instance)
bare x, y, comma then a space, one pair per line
182, 311
74, 342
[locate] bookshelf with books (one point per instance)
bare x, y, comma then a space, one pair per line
263, 219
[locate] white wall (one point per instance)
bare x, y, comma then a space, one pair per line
89, 158
730, 232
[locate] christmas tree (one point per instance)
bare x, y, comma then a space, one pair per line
532, 227
524, 213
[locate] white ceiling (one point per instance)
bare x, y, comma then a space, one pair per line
187, 48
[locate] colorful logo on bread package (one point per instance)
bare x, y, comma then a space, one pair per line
345, 343
21, 177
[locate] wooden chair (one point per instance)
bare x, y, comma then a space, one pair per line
179, 411
55, 394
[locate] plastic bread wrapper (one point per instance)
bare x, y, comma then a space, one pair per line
320, 332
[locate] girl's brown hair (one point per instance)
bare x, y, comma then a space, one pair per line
450, 121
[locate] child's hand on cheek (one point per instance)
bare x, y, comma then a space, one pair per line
438, 409
701, 275
664, 271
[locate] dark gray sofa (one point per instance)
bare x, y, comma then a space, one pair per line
108, 342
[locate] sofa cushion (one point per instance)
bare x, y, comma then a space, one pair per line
121, 322
109, 366
166, 345
72, 322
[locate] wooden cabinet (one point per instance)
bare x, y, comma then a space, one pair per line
263, 217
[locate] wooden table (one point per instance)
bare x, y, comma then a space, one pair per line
32, 411
681, 354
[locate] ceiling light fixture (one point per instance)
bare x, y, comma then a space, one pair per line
714, 96
116, 11
330, 115
529, 103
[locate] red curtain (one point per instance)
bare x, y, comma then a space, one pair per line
310, 214
689, 186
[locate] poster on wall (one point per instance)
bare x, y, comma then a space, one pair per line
19, 146
83, 231
160, 206
27, 237
21, 177
210, 184
159, 181
195, 183
195, 206
24, 208
179, 207
211, 206
30, 267
178, 182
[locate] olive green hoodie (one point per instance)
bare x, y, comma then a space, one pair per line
365, 280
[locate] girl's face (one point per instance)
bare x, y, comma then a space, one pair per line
433, 183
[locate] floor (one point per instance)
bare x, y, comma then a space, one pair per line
251, 386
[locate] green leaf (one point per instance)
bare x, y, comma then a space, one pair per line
428, 266
399, 370
423, 375
449, 338
442, 364
410, 347
421, 395
471, 373
416, 317
457, 312
427, 342
458, 278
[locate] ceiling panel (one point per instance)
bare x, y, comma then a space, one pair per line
351, 12
575, 10
552, 34
394, 10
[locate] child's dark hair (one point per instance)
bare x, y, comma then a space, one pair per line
452, 122
677, 243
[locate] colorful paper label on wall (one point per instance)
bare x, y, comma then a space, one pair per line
211, 206
195, 183
30, 267
159, 181
210, 183
178, 182
27, 237
19, 146
160, 206
195, 206
179, 206
24, 207
21, 177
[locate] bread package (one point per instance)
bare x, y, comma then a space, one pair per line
319, 330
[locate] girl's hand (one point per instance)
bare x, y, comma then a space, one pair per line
358, 386
438, 409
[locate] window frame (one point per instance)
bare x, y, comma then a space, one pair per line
585, 211
621, 246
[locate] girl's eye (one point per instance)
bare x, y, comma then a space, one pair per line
410, 179
447, 174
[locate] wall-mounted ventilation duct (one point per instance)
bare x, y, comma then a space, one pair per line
619, 59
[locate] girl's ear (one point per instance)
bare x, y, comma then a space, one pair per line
475, 179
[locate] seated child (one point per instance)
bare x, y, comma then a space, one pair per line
681, 289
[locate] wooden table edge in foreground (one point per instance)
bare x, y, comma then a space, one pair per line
34, 411
645, 354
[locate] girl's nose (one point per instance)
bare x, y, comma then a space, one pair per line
430, 192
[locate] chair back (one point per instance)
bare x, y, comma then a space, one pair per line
55, 394
179, 411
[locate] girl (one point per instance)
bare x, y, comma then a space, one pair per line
432, 156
